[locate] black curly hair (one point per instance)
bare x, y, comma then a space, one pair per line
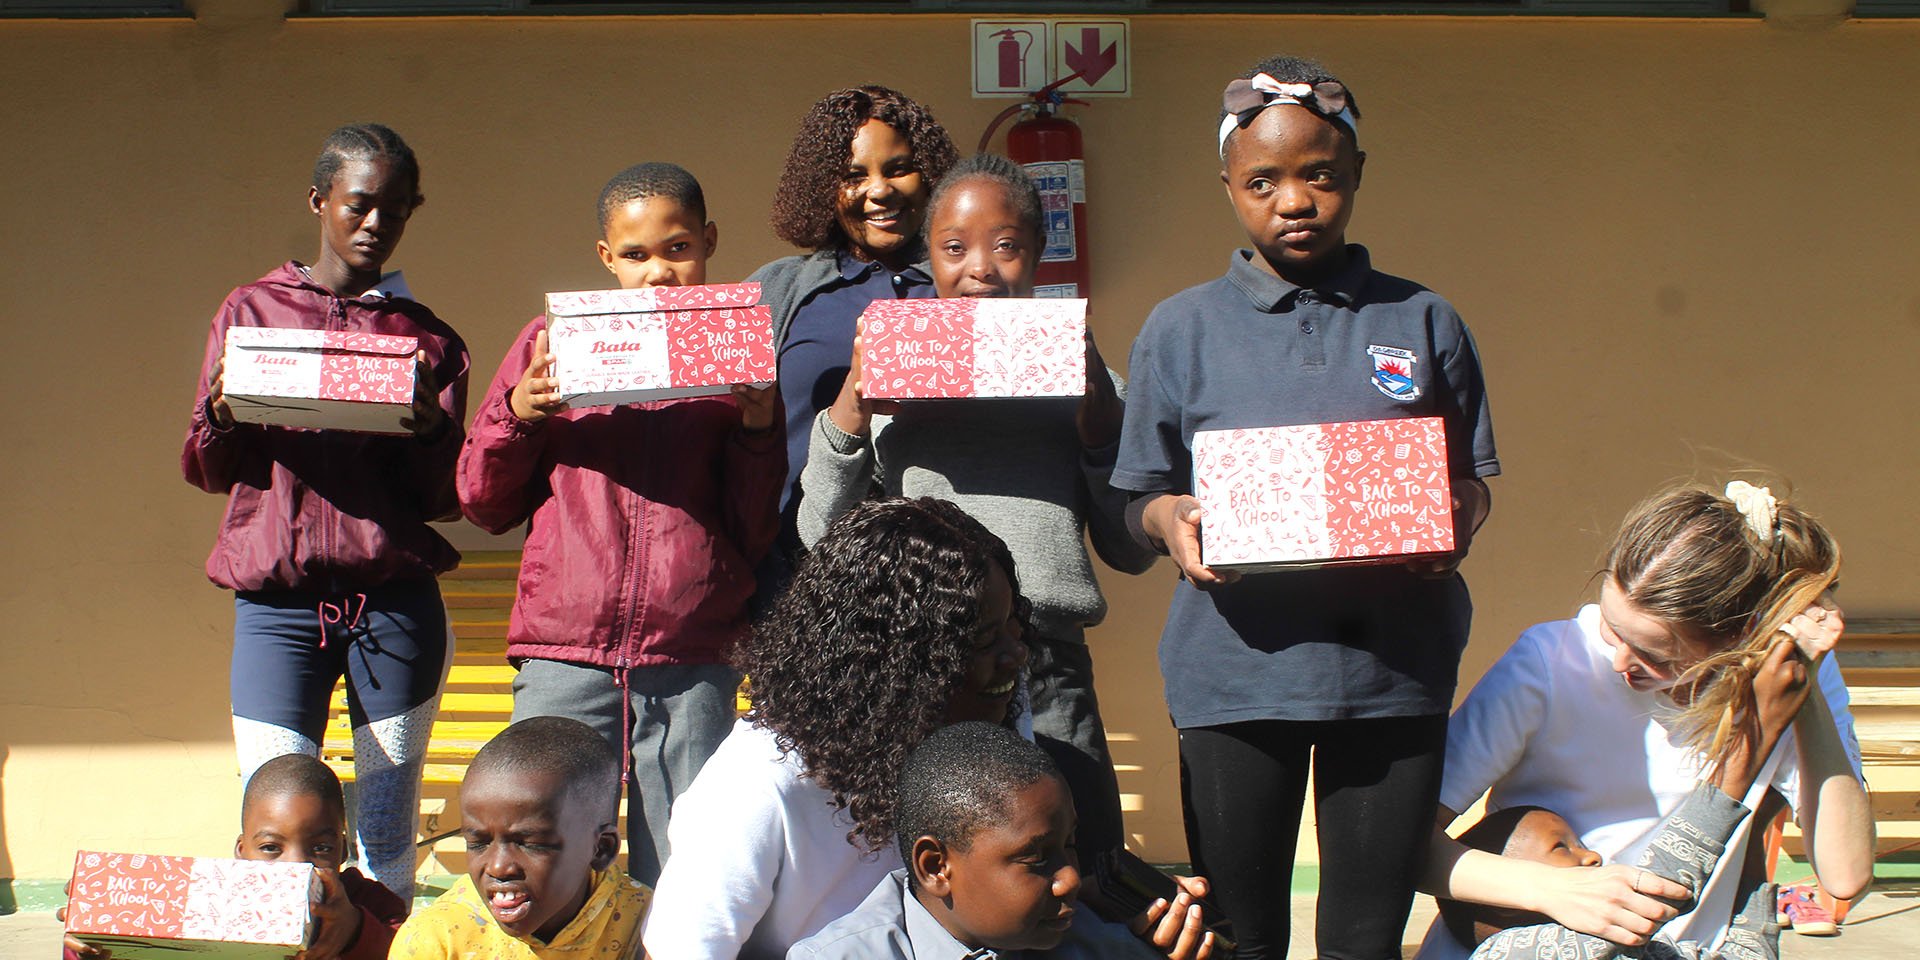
856, 662
803, 204
365, 141
1022, 195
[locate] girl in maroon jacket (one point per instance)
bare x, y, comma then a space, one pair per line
326, 542
644, 524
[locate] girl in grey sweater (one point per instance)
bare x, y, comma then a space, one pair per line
1033, 471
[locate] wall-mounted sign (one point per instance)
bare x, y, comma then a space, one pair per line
1012, 58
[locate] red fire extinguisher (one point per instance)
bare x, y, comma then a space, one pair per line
1050, 147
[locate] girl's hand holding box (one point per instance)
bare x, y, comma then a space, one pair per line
1100, 412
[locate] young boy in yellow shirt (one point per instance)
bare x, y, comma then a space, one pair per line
539, 810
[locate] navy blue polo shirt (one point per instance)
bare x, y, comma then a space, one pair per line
819, 349
1252, 350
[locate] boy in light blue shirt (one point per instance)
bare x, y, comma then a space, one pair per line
985, 823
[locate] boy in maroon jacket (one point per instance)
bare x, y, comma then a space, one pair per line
644, 524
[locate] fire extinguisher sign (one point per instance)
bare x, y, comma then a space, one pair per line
1012, 58
1060, 183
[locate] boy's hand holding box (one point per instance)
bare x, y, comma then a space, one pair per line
925, 349
1276, 497
322, 379
656, 343
141, 906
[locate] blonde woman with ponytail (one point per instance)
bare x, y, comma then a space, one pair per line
1613, 717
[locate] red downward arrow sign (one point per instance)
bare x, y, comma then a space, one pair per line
1089, 61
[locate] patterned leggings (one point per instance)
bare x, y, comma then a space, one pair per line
393, 646
1685, 849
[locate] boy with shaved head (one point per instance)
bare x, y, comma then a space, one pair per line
539, 811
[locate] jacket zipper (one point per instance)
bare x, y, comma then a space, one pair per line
625, 624
336, 320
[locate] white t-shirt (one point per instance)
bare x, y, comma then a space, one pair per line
760, 859
1552, 725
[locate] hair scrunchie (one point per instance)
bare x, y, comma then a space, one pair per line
1757, 505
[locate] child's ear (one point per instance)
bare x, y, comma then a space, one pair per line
240, 846
606, 846
1359, 164
606, 254
712, 236
932, 871
314, 199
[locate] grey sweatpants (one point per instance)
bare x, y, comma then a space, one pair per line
1066, 724
680, 715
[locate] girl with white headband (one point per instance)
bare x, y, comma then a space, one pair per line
1610, 719
1344, 674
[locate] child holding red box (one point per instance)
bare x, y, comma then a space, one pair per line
293, 812
644, 523
326, 542
1035, 471
1347, 671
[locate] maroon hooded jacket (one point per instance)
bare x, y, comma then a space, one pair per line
328, 510
645, 522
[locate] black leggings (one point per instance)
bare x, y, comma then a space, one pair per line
1376, 784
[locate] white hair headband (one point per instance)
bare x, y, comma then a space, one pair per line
1244, 99
1757, 505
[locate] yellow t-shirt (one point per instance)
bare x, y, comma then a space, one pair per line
457, 925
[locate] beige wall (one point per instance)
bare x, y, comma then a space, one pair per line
1681, 244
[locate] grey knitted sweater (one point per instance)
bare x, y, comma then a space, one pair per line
1015, 465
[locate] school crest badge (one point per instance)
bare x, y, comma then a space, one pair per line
1393, 372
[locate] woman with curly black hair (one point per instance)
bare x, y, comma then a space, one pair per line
853, 193
907, 616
